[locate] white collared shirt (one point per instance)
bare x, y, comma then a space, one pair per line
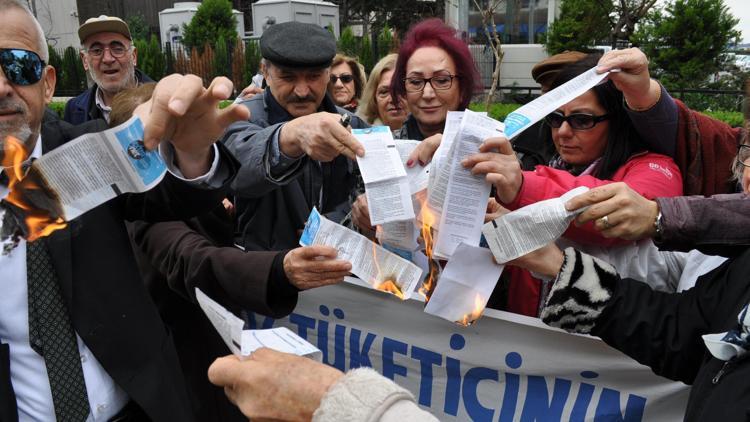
27, 368
99, 101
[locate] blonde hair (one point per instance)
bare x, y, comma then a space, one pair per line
358, 72
127, 100
368, 107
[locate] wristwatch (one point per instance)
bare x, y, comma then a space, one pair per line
658, 226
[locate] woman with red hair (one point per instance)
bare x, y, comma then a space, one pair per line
435, 74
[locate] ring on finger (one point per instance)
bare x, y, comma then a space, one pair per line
605, 222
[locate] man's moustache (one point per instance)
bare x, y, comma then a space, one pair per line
296, 99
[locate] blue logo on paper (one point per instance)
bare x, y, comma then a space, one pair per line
311, 228
514, 122
148, 164
374, 129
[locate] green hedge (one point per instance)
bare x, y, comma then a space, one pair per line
500, 111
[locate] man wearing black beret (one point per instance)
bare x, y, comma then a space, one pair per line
297, 151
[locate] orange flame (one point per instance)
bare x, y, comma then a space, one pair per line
39, 223
390, 287
428, 221
474, 315
389, 284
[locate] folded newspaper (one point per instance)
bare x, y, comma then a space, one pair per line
92, 169
378, 267
244, 342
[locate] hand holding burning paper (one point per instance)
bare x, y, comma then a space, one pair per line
29, 209
47, 192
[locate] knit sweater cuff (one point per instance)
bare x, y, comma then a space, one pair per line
360, 395
580, 292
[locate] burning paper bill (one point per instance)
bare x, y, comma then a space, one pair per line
380, 268
465, 285
76, 177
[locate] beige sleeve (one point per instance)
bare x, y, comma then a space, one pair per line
364, 395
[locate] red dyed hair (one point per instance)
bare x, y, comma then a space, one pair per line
435, 33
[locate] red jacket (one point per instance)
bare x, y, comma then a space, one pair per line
649, 174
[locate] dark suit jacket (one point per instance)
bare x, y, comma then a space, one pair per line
176, 257
110, 308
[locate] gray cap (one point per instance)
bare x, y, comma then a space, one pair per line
296, 44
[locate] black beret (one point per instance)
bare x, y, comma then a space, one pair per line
296, 44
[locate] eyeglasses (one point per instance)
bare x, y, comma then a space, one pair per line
743, 155
117, 50
345, 78
577, 121
21, 67
439, 82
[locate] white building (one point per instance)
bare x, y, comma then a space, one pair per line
318, 12
520, 30
59, 20
172, 19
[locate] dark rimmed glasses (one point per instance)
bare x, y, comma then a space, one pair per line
345, 78
116, 49
743, 155
438, 82
577, 121
21, 67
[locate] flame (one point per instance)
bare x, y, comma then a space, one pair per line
428, 221
389, 285
474, 315
38, 222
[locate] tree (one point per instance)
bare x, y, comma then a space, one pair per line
213, 19
686, 41
347, 43
73, 75
365, 55
386, 44
138, 26
490, 30
252, 61
221, 59
582, 23
627, 14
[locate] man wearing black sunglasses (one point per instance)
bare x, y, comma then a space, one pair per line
109, 57
79, 337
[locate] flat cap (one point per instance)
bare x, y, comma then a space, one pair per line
546, 70
103, 23
296, 44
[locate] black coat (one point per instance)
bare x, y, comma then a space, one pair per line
110, 308
664, 331
272, 214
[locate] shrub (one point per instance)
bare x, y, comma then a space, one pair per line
498, 111
214, 18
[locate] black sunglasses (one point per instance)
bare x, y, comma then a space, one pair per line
345, 78
577, 121
21, 67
